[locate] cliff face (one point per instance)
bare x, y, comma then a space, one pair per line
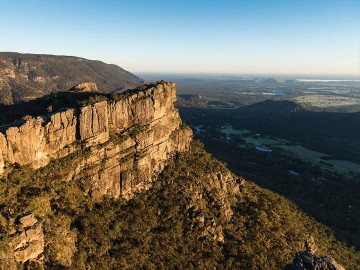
198, 215
127, 141
28, 241
28, 76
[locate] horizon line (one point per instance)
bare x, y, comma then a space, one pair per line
245, 73
190, 72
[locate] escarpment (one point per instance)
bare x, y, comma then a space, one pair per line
69, 176
124, 143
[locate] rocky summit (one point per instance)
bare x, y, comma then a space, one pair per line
127, 141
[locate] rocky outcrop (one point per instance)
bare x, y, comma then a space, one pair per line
306, 260
228, 188
38, 139
27, 241
128, 140
117, 147
85, 87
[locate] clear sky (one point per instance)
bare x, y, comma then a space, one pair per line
223, 36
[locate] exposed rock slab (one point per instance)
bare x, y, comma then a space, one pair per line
129, 140
28, 241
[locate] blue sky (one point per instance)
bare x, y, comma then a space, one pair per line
224, 36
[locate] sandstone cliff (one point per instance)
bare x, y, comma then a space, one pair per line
127, 140
117, 147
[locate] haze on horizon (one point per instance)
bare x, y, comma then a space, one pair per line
257, 36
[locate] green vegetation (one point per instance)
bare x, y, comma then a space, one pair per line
321, 189
49, 73
127, 157
118, 138
346, 168
160, 228
329, 197
27, 117
94, 99
324, 101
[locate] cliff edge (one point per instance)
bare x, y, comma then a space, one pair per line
124, 142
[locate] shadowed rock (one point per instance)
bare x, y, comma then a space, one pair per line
306, 260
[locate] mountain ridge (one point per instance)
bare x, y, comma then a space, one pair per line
29, 76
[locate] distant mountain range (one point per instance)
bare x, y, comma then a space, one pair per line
28, 76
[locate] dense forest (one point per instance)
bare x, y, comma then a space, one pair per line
179, 223
321, 191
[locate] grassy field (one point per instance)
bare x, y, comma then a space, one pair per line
314, 157
228, 130
327, 100
317, 158
350, 166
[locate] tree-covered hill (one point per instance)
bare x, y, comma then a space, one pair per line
28, 76
192, 218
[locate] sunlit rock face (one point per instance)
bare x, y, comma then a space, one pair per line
28, 241
128, 140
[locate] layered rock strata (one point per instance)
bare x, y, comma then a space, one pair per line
127, 140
